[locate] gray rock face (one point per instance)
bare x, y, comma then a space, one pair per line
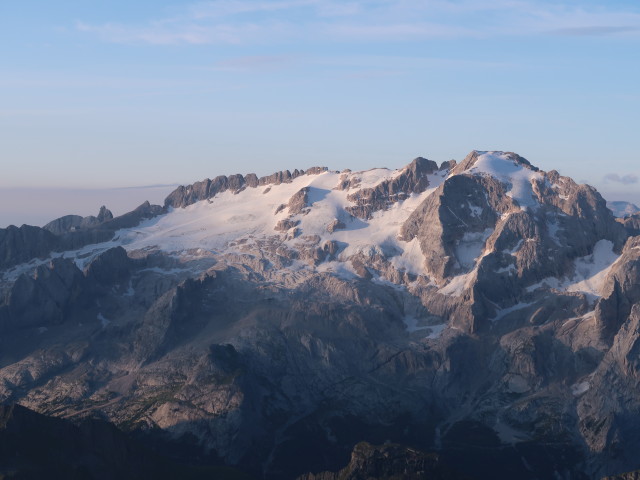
110, 267
145, 211
413, 179
285, 224
19, 245
631, 224
622, 290
43, 299
472, 226
445, 217
299, 202
336, 225
607, 421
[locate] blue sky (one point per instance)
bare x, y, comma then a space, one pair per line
119, 94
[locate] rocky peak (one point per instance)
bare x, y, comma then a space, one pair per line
412, 179
476, 156
74, 223
498, 225
104, 214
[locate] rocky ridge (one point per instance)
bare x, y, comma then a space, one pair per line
27, 243
389, 462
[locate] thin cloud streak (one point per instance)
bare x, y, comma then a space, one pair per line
627, 179
253, 63
595, 31
225, 8
257, 22
377, 65
186, 34
400, 31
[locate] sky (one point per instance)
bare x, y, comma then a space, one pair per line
97, 96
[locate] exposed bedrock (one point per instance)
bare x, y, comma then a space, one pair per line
186, 195
70, 223
412, 179
622, 290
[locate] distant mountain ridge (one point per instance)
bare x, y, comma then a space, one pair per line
623, 209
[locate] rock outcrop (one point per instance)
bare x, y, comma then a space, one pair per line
412, 179
72, 223
184, 196
369, 462
631, 224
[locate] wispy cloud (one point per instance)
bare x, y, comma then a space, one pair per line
162, 33
396, 31
596, 30
261, 21
251, 63
627, 179
227, 8
353, 66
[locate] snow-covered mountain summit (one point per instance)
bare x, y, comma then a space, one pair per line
486, 295
488, 232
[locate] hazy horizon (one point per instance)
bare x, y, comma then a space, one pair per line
25, 205
174, 91
38, 206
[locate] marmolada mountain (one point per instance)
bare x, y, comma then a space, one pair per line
458, 321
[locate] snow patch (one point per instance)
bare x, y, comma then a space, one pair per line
506, 311
578, 389
471, 247
475, 210
434, 331
343, 270
103, 320
411, 259
590, 272
458, 284
518, 178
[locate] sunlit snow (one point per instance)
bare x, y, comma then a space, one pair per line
518, 177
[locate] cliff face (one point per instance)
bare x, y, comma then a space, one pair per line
485, 311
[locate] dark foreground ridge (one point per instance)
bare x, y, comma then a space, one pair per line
35, 446
389, 462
